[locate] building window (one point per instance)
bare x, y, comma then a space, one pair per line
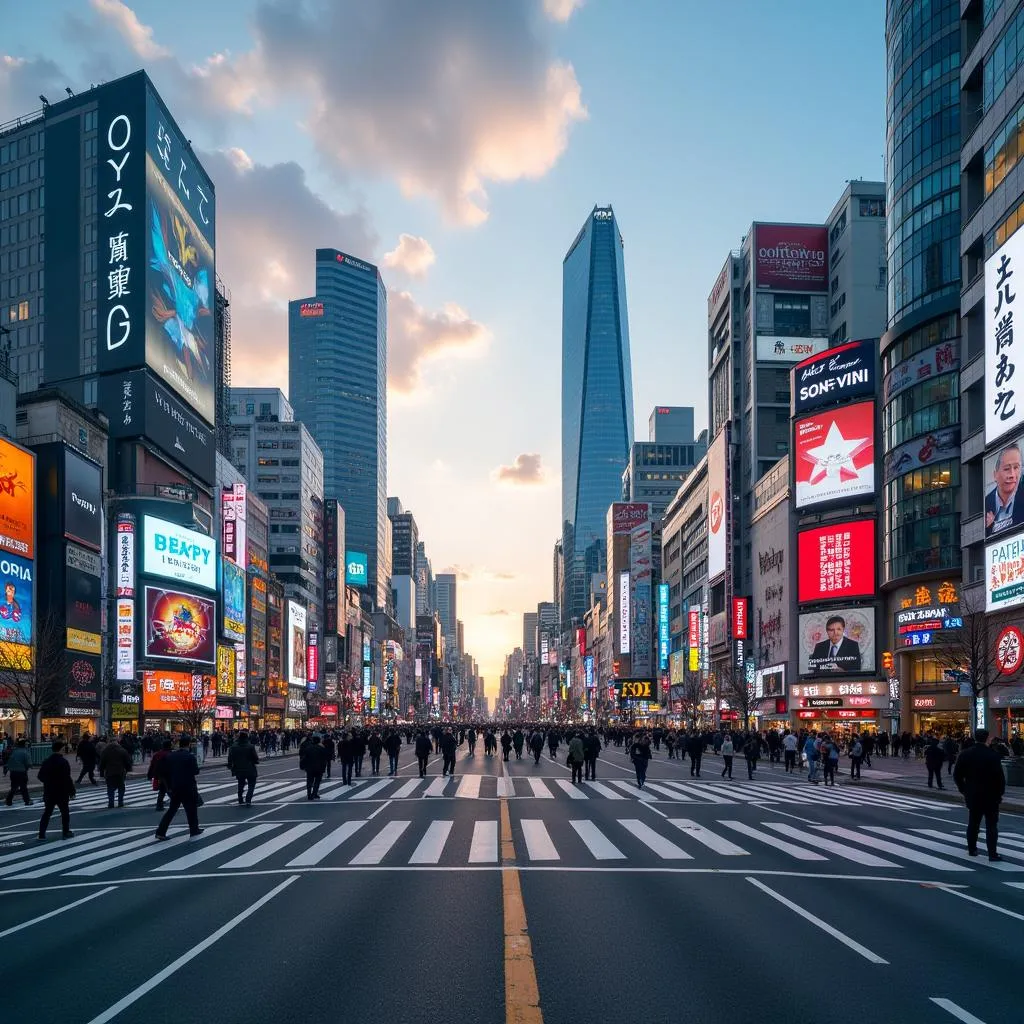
872, 207
1004, 60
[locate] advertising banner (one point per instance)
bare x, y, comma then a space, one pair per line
82, 698
837, 640
663, 628
125, 617
312, 659
334, 571
83, 484
180, 626
932, 362
355, 568
177, 553
923, 451
641, 605
838, 374
257, 645
17, 581
276, 676
225, 671
626, 516
1004, 573
241, 677
791, 257
174, 692
834, 455
624, 613
125, 555
233, 600
82, 608
925, 625
636, 689
1004, 513
836, 561
772, 349
296, 644
770, 682
233, 521
740, 613
1004, 405
677, 663
17, 500
718, 504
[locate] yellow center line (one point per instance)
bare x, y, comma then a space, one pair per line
522, 996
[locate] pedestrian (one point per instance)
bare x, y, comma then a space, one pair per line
393, 746
182, 768
728, 751
506, 744
346, 758
517, 743
752, 752
329, 749
856, 756
242, 761
374, 746
979, 777
790, 744
115, 764
591, 750
471, 739
829, 758
18, 764
576, 758
86, 753
424, 749
695, 748
934, 758
157, 772
359, 750
811, 753
313, 762
640, 755
58, 789
537, 745
448, 748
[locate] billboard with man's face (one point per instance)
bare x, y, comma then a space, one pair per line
1004, 513
837, 641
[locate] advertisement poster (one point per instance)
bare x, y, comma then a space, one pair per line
234, 517
233, 596
624, 613
1004, 513
626, 516
83, 694
841, 373
718, 505
296, 644
258, 628
180, 626
17, 500
834, 455
179, 296
355, 568
1004, 573
17, 581
837, 641
83, 521
836, 561
791, 257
923, 451
225, 671
177, 553
788, 350
1004, 399
932, 362
663, 633
173, 692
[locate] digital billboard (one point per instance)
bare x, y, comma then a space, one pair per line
1004, 402
82, 698
836, 561
788, 350
234, 515
334, 570
838, 374
837, 641
1003, 512
625, 516
17, 500
834, 455
355, 568
937, 446
718, 504
180, 626
791, 257
257, 641
174, 692
233, 600
177, 553
225, 671
1004, 573
663, 628
17, 583
296, 644
312, 659
83, 484
83, 600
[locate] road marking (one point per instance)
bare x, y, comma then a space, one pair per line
373, 788
573, 791
982, 903
484, 847
605, 791
540, 790
322, 847
406, 789
505, 787
956, 1011
846, 852
1016, 885
773, 841
702, 792
1009, 854
67, 848
54, 913
708, 838
596, 842
436, 788
663, 847
949, 847
469, 787
818, 923
265, 850
171, 968
538, 841
897, 851
205, 853
378, 847
431, 846
672, 794
634, 790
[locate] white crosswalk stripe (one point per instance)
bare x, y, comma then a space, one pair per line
937, 847
596, 841
773, 841
406, 789
266, 850
371, 790
538, 842
138, 850
926, 860
606, 791
469, 787
323, 847
207, 852
571, 791
710, 839
846, 852
634, 790
484, 847
437, 787
663, 847
541, 790
431, 846
377, 848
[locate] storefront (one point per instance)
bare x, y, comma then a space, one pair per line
846, 705
943, 713
1006, 710
124, 714
296, 710
69, 728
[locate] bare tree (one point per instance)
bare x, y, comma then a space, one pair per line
740, 695
36, 680
195, 706
692, 689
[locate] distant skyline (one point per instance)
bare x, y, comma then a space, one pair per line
459, 145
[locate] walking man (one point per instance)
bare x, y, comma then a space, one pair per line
393, 745
242, 761
346, 758
424, 748
87, 755
58, 789
591, 750
314, 763
576, 758
448, 748
115, 764
979, 777
18, 764
181, 769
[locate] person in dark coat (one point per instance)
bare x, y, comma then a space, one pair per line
359, 749
517, 743
471, 740
115, 764
157, 773
752, 753
448, 749
346, 758
640, 755
242, 761
591, 749
934, 757
695, 748
537, 745
979, 777
18, 764
506, 744
393, 745
313, 763
86, 753
181, 770
58, 789
330, 751
424, 748
374, 746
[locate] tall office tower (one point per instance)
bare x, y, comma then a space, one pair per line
530, 634
337, 384
405, 538
444, 586
657, 468
425, 590
671, 424
597, 401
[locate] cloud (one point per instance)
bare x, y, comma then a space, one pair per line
22, 80
413, 256
478, 573
417, 335
498, 611
561, 10
526, 471
463, 575
138, 36
444, 97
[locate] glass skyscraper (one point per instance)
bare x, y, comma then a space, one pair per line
337, 383
597, 401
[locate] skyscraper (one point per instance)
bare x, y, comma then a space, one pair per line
597, 401
337, 383
446, 606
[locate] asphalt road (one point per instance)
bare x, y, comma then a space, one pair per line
506, 894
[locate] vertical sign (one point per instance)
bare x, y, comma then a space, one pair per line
739, 618
623, 613
663, 627
312, 658
581, 641
1004, 402
233, 535
693, 638
125, 573
718, 504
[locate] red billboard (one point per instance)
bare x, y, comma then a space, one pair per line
739, 618
836, 561
626, 516
834, 455
789, 257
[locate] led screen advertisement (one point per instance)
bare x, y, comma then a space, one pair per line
836, 561
83, 520
938, 446
1004, 500
180, 626
834, 455
296, 644
932, 362
718, 505
233, 600
174, 692
837, 641
355, 568
1004, 573
17, 500
1004, 399
16, 597
177, 553
225, 671
791, 257
836, 375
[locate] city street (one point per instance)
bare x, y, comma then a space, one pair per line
406, 899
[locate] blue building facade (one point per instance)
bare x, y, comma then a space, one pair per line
337, 383
597, 401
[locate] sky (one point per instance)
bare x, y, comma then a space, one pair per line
460, 145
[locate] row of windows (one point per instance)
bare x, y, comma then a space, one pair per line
997, 237
18, 149
945, 179
837, 229
22, 175
989, 9
898, 428
928, 545
910, 229
19, 259
926, 108
923, 481
1004, 60
917, 340
872, 207
920, 21
914, 155
932, 272
1003, 153
31, 199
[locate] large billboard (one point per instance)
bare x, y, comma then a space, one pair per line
225, 670
17, 500
787, 350
642, 613
83, 484
627, 515
177, 553
355, 568
334, 569
138, 405
257, 621
16, 581
296, 644
174, 692
1004, 573
1004, 403
180, 626
83, 600
923, 451
837, 641
834, 455
791, 257
836, 561
1004, 502
233, 600
718, 505
847, 371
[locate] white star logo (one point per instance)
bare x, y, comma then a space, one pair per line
834, 458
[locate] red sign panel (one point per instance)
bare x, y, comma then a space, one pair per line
836, 561
626, 516
739, 618
1009, 650
694, 628
791, 258
311, 309
581, 640
329, 710
841, 714
312, 657
834, 455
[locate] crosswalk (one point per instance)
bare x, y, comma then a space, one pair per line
277, 790
446, 842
